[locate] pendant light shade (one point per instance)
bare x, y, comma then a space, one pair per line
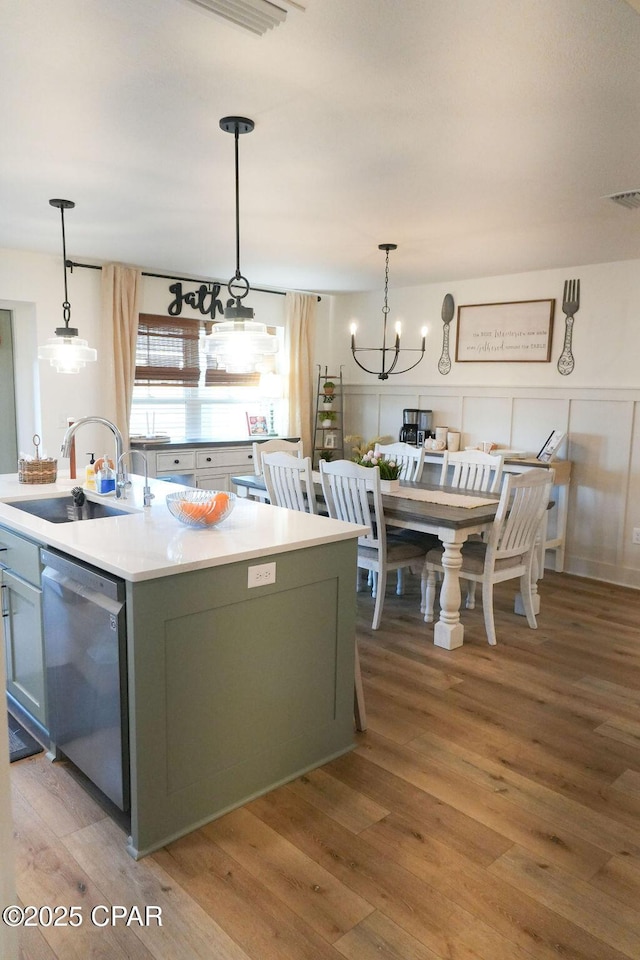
238, 343
66, 352
389, 354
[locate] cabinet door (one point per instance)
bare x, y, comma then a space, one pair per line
213, 481
23, 643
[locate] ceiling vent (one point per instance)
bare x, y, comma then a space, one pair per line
630, 199
258, 16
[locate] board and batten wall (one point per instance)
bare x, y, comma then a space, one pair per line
517, 405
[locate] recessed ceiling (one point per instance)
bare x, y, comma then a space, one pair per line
482, 138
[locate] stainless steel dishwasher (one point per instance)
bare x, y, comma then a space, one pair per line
86, 670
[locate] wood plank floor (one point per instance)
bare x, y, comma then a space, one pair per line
490, 812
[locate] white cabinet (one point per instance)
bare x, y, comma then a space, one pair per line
175, 462
208, 467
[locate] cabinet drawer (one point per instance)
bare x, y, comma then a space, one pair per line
20, 555
172, 461
234, 457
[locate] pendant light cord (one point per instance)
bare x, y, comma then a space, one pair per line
66, 306
236, 138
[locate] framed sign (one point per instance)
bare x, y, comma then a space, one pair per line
517, 332
550, 447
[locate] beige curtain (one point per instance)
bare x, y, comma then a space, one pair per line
120, 294
300, 338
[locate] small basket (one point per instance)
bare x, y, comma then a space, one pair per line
37, 471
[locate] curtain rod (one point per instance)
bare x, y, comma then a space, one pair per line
165, 276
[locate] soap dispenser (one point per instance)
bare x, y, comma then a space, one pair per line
106, 477
90, 473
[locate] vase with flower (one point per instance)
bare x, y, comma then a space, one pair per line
389, 469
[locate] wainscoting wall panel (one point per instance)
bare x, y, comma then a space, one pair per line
599, 444
603, 444
533, 420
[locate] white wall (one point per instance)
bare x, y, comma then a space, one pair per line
518, 404
31, 286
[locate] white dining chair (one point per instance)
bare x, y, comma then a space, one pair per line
289, 481
352, 493
472, 470
508, 551
411, 462
409, 458
294, 447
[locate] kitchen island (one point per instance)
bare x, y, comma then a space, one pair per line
231, 689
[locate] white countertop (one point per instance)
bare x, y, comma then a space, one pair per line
150, 543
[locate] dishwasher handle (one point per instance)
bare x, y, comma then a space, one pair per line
76, 592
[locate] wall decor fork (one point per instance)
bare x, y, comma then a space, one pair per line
570, 306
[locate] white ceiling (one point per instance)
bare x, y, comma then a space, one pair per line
479, 135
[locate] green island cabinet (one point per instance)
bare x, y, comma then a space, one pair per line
20, 571
229, 690
233, 691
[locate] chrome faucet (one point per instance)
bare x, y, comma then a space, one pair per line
122, 482
71, 431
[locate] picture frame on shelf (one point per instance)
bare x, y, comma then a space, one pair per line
257, 425
551, 446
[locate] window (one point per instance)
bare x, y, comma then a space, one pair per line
178, 391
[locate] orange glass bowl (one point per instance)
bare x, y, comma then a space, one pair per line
201, 508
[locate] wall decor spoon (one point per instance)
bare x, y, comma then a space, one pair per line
448, 309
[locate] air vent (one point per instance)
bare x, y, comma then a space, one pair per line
630, 199
258, 16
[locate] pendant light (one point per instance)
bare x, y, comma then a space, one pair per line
238, 342
394, 350
67, 352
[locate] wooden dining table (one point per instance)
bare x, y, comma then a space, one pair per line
452, 523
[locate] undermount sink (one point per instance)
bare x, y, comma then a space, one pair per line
64, 510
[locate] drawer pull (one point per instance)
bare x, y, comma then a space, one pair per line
176, 461
208, 459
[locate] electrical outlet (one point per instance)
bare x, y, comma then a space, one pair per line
636, 535
261, 575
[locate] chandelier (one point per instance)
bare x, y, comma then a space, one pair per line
66, 352
388, 352
239, 343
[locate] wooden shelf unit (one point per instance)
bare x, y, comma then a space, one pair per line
328, 442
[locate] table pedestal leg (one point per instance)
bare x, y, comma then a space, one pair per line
448, 631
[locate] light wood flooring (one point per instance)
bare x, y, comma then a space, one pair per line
490, 812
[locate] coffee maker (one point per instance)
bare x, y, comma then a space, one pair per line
425, 429
416, 426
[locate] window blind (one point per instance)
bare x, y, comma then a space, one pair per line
167, 351
168, 354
